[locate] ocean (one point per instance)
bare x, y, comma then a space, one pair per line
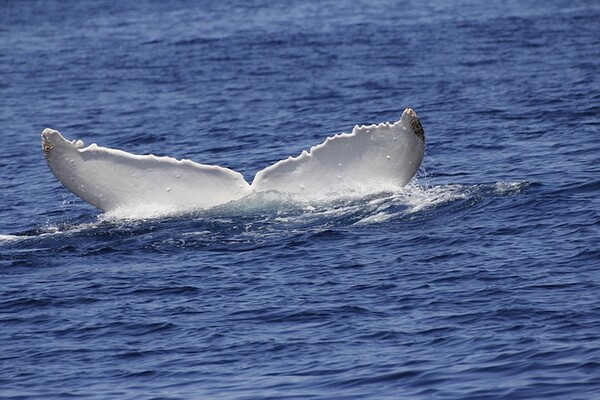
479, 280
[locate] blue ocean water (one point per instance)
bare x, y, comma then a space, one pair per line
481, 280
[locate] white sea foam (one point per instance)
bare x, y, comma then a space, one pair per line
413, 198
49, 230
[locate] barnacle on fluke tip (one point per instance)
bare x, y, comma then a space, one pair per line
415, 122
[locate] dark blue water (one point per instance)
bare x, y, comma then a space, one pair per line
480, 281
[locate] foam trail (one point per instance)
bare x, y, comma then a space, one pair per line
371, 159
9, 238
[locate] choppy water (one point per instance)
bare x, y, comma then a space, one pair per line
480, 280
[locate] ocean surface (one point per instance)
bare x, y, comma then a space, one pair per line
480, 280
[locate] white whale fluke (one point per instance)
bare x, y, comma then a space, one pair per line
370, 159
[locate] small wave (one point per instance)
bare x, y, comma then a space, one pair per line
10, 238
195, 41
508, 188
413, 199
416, 198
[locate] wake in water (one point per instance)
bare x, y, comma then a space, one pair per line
264, 215
371, 159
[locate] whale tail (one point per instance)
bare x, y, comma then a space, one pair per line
369, 159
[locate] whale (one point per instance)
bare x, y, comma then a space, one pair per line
369, 159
